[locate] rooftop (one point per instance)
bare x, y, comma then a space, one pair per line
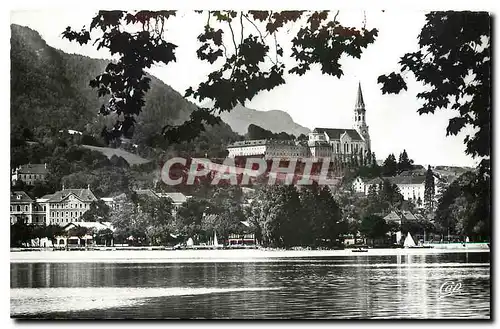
82, 194
393, 216
19, 196
335, 133
147, 192
255, 142
398, 180
95, 225
33, 169
360, 104
176, 197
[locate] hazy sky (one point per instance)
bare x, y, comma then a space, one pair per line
313, 100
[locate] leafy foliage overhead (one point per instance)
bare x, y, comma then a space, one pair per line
454, 63
250, 62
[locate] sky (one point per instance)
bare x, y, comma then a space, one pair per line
313, 100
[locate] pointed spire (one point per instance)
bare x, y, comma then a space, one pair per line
360, 104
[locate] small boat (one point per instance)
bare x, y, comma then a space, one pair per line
360, 250
409, 242
216, 243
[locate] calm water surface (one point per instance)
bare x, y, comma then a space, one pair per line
404, 286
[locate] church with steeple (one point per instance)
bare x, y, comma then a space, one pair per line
333, 143
343, 143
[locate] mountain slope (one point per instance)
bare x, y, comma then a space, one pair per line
276, 121
131, 158
50, 89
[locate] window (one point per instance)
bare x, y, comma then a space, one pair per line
18, 208
66, 214
44, 208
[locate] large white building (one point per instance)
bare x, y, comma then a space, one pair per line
340, 143
61, 208
411, 187
65, 206
269, 149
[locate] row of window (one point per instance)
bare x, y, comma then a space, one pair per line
31, 176
69, 205
23, 208
63, 220
353, 148
19, 208
26, 208
68, 213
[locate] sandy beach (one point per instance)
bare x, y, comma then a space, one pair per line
192, 256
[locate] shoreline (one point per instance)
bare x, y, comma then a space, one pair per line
209, 256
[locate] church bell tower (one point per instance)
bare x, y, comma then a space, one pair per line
360, 118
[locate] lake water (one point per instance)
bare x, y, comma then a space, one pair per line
357, 286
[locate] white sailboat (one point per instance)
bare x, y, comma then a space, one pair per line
216, 243
409, 243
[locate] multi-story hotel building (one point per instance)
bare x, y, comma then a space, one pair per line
61, 208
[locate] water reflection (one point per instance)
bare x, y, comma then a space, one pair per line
401, 286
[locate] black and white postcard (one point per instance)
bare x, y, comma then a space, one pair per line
255, 164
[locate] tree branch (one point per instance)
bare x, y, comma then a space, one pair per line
260, 34
232, 36
261, 37
241, 24
335, 17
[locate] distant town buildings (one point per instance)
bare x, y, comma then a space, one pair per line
412, 187
177, 198
335, 143
29, 174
